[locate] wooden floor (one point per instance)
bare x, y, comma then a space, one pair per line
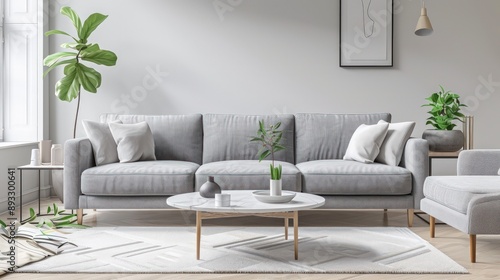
450, 241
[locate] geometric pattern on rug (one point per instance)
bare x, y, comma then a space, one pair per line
247, 250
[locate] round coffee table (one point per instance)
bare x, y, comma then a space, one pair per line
244, 204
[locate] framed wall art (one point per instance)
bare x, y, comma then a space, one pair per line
366, 33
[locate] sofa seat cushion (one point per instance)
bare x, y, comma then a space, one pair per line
144, 178
343, 177
456, 192
247, 175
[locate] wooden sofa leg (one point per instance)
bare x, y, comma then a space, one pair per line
410, 217
432, 226
472, 239
79, 216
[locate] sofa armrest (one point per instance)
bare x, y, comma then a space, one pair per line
483, 214
478, 162
78, 156
416, 160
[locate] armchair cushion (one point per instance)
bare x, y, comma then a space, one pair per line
456, 192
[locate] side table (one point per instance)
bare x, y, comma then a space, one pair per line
38, 168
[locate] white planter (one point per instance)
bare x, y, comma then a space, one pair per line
275, 187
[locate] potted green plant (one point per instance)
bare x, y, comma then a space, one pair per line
270, 141
76, 74
445, 110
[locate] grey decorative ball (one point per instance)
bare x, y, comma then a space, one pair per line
210, 188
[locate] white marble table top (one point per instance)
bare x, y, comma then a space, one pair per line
244, 202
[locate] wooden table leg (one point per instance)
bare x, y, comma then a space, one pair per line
296, 233
286, 228
198, 234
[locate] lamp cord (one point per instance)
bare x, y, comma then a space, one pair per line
368, 14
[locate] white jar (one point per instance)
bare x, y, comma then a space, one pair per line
56, 154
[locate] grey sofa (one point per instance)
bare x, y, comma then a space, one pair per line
189, 148
469, 202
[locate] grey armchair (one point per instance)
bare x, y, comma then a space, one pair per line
469, 202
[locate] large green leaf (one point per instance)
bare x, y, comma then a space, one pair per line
92, 74
67, 11
55, 31
101, 57
53, 58
69, 68
74, 46
62, 62
90, 24
88, 78
92, 48
68, 87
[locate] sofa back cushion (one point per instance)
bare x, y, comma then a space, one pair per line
176, 137
227, 137
326, 136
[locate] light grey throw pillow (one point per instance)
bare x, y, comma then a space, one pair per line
365, 143
102, 141
134, 141
394, 143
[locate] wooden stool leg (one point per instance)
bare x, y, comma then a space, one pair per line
472, 239
432, 226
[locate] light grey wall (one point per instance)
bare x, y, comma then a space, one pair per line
281, 56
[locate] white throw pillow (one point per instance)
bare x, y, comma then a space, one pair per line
394, 143
365, 143
102, 141
134, 141
498, 171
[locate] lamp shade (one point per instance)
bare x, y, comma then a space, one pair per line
424, 26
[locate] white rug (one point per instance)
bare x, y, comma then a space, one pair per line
247, 250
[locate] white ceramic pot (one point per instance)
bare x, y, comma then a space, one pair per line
275, 187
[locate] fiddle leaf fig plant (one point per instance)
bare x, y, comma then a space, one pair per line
76, 73
445, 108
270, 139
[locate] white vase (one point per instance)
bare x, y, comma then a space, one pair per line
275, 187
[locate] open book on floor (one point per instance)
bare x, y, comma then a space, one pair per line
49, 240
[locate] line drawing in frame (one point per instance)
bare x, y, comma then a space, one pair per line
366, 33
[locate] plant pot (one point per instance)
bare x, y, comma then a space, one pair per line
444, 140
210, 188
275, 187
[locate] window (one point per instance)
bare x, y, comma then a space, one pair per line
21, 92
